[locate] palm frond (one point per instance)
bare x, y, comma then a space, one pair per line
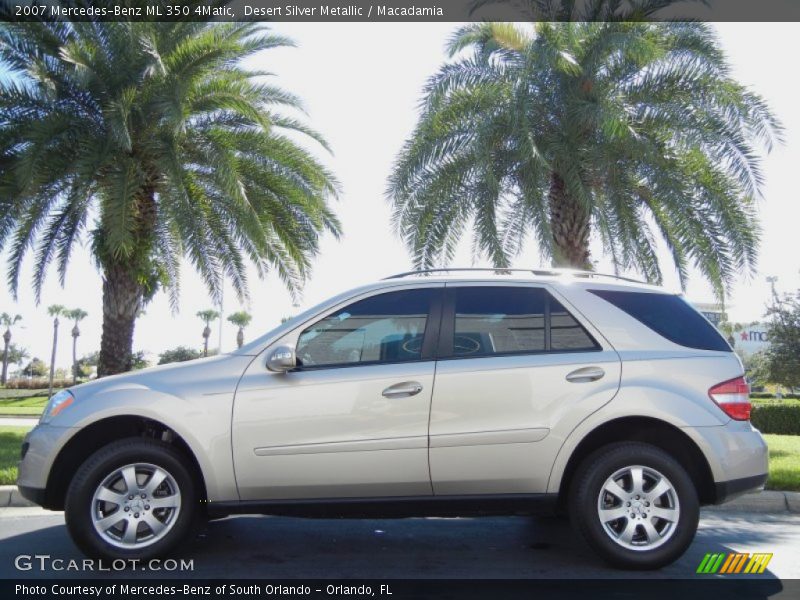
158, 133
641, 123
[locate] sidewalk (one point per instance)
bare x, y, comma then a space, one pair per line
765, 502
29, 422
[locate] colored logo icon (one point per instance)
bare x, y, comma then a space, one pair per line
732, 563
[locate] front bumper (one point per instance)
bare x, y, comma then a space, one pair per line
39, 451
35, 495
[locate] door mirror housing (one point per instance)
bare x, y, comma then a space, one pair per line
282, 359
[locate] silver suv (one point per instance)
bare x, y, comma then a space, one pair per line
449, 393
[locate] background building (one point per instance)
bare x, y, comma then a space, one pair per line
747, 338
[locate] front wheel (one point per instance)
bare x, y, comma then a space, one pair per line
635, 505
132, 499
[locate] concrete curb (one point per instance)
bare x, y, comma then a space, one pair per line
765, 502
10, 496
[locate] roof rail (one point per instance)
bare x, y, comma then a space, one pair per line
508, 271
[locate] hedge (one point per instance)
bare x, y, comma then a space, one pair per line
777, 418
775, 401
37, 383
771, 396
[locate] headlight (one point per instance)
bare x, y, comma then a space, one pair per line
56, 404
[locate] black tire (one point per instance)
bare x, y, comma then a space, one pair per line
78, 505
585, 493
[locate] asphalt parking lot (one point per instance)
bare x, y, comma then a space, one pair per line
497, 547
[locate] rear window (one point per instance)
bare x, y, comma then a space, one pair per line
669, 316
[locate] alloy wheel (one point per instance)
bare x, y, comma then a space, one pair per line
135, 505
638, 508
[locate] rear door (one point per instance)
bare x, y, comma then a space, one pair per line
516, 371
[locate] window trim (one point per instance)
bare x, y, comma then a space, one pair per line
429, 335
448, 324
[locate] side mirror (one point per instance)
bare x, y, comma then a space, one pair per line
282, 359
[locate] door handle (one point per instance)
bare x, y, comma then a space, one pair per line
403, 390
585, 375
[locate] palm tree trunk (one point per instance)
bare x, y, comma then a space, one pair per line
122, 300
240, 337
206, 335
74, 357
570, 225
123, 294
6, 342
53, 356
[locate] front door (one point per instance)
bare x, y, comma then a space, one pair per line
516, 373
352, 419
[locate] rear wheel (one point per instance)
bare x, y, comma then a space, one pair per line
133, 499
635, 505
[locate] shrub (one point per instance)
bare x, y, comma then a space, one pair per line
773, 402
37, 383
771, 396
179, 354
777, 417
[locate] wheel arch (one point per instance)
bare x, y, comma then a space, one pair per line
100, 433
648, 430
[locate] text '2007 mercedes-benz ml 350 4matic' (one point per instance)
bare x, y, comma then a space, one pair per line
446, 393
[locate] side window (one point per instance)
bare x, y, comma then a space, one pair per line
508, 320
565, 332
498, 321
669, 316
384, 328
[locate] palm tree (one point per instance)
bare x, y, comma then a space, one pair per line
6, 320
76, 315
155, 143
241, 319
55, 311
16, 356
628, 131
207, 316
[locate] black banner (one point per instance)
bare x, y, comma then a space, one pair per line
122, 588
399, 10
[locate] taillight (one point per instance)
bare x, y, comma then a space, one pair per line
733, 396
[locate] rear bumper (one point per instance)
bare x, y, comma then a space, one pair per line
728, 490
737, 456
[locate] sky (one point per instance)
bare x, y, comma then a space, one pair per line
361, 84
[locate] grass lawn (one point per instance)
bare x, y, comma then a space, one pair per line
14, 393
784, 462
32, 406
10, 442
